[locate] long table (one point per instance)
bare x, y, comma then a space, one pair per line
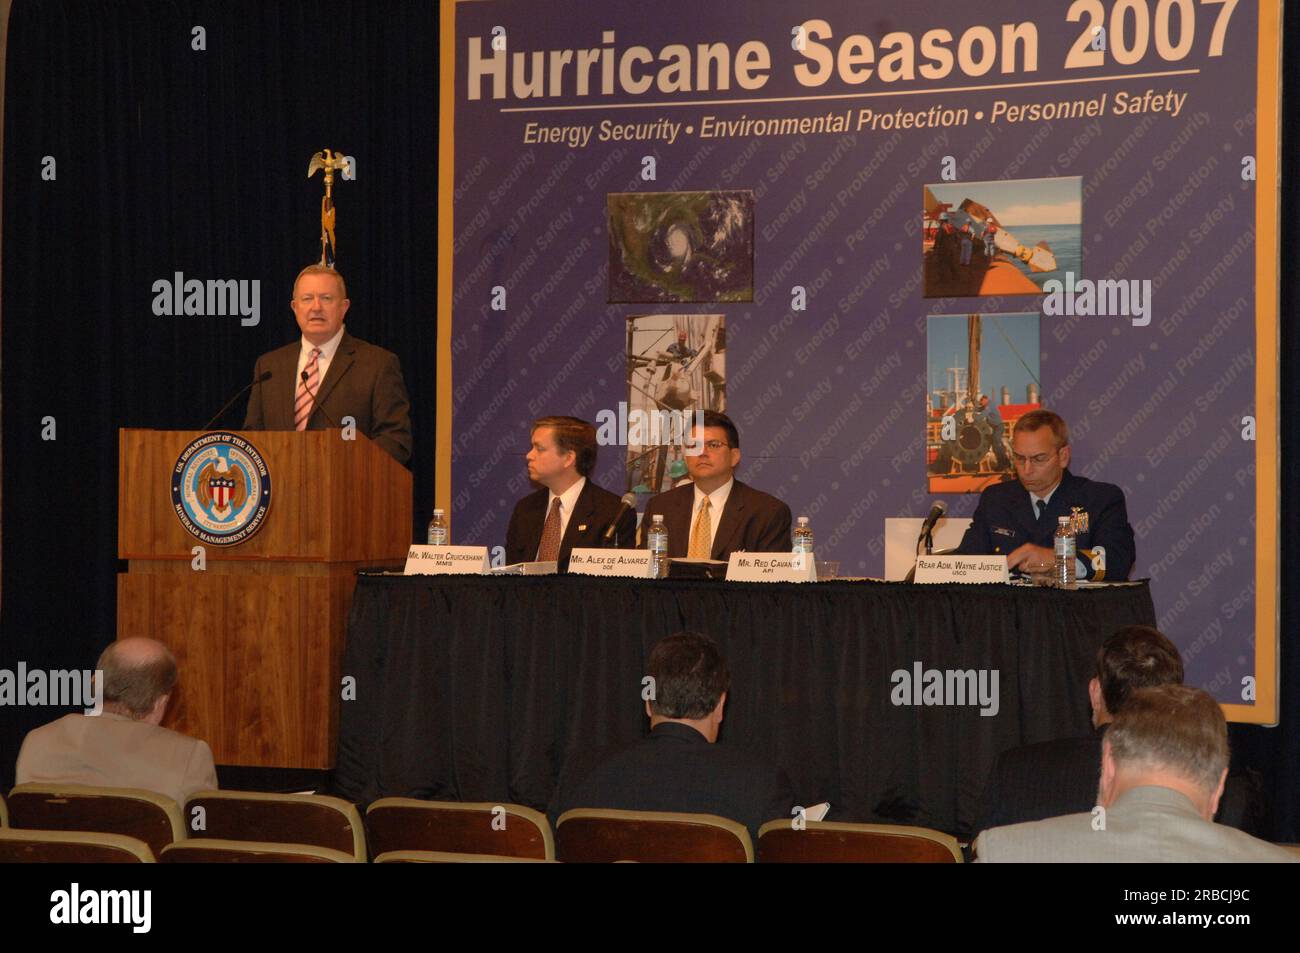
480, 688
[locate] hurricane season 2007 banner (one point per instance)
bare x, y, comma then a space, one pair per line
875, 235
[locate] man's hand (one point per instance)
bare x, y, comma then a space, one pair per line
1032, 559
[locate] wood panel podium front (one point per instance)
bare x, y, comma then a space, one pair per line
259, 632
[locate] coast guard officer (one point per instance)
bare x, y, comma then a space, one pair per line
1019, 519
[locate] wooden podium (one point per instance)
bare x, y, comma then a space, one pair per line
259, 633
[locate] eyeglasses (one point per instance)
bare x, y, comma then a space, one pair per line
716, 444
1037, 459
307, 299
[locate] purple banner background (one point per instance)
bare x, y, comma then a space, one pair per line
829, 400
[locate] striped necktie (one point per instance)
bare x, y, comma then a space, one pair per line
303, 403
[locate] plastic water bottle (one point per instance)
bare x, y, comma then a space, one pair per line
801, 540
1065, 553
657, 539
438, 535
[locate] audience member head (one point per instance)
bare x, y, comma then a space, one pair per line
1170, 736
690, 683
1137, 656
563, 449
719, 445
138, 678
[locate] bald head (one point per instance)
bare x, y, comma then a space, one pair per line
138, 678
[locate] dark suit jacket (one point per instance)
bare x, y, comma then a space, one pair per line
1004, 520
592, 514
676, 769
363, 381
752, 520
1034, 782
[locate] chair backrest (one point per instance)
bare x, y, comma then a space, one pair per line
447, 857
146, 815
71, 847
278, 818
832, 842
590, 835
215, 851
505, 830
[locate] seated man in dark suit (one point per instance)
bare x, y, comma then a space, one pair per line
715, 514
328, 374
1163, 766
1060, 777
680, 767
1019, 519
125, 746
569, 510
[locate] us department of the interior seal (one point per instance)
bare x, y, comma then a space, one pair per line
221, 490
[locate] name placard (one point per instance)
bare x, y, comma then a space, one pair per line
771, 567
446, 560
611, 562
931, 569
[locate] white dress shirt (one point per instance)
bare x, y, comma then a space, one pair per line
717, 500
568, 500
327, 352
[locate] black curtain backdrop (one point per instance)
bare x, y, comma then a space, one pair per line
171, 160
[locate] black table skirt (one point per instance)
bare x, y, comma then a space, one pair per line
480, 688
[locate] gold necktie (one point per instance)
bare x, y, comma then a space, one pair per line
702, 535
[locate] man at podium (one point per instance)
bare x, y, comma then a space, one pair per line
328, 374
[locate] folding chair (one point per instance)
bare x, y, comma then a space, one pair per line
590, 835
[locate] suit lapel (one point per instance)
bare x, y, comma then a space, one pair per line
342, 360
583, 510
284, 387
733, 515
678, 517
531, 520
1023, 514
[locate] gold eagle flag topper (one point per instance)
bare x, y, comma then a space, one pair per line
329, 161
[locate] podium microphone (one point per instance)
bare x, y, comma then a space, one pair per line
628, 503
315, 406
927, 528
264, 376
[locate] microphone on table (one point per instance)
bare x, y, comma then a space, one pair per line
264, 376
315, 406
628, 503
927, 528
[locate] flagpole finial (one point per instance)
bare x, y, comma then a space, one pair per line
329, 161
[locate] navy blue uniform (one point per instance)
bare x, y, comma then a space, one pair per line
1004, 521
